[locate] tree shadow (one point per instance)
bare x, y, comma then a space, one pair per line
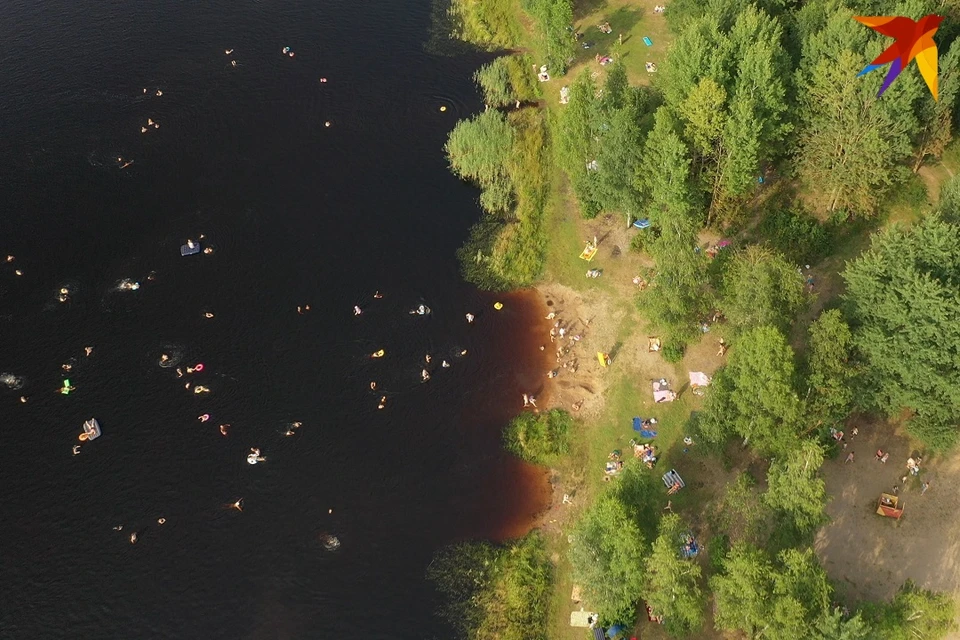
622, 21
615, 349
583, 8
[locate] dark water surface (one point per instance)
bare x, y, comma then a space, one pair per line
298, 213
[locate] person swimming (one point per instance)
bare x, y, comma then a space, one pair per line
228, 52
377, 295
200, 389
208, 250
357, 310
233, 63
383, 402
238, 505
470, 318
76, 449
223, 429
133, 538
373, 386
425, 375
88, 350
445, 364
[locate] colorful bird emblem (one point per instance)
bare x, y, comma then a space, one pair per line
912, 40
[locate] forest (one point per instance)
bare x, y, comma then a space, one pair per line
755, 128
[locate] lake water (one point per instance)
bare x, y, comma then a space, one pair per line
298, 213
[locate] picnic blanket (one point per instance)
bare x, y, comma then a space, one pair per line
671, 478
644, 433
698, 379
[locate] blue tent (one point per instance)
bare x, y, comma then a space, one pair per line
615, 630
642, 224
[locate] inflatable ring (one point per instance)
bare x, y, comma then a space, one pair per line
199, 367
377, 354
498, 305
204, 417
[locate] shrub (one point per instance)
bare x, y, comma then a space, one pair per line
539, 437
673, 351
798, 236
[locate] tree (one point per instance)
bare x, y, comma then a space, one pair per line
831, 369
607, 555
761, 288
795, 488
914, 613
765, 408
849, 141
553, 19
741, 592
494, 80
671, 589
479, 149
833, 626
904, 297
539, 437
775, 602
801, 593
937, 115
664, 176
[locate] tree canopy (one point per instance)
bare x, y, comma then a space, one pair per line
608, 557
672, 589
761, 288
904, 299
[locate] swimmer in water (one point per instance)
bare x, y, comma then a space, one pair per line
208, 250
323, 79
233, 63
470, 318
200, 389
377, 295
288, 432
383, 402
296, 425
88, 350
526, 400
427, 358
238, 505
10, 258
463, 353
143, 129
149, 122
18, 272
445, 364
373, 386
357, 310
159, 93
66, 367
223, 429
133, 538
23, 399
119, 527
228, 52
76, 449
425, 375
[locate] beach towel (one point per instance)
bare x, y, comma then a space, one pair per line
647, 41
699, 379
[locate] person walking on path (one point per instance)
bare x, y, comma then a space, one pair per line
924, 487
849, 458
